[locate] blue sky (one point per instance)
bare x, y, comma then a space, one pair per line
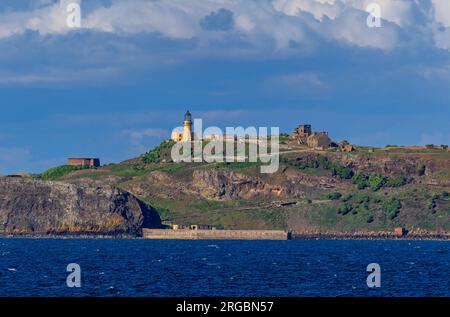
119, 84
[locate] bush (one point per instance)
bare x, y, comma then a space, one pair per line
392, 207
361, 198
323, 162
347, 197
429, 146
360, 180
396, 182
376, 181
334, 196
155, 155
345, 209
341, 171
444, 146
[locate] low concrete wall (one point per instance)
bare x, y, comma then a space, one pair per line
215, 234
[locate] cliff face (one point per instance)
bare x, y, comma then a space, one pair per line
212, 184
31, 206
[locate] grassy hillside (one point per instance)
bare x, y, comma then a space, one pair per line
369, 189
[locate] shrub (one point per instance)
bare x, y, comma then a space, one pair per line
334, 196
396, 182
60, 171
323, 162
360, 180
361, 198
347, 197
155, 155
376, 181
341, 171
345, 209
429, 146
392, 207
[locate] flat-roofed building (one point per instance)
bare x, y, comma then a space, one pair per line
83, 161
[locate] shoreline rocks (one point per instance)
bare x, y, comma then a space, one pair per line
29, 206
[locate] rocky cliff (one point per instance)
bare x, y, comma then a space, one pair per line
33, 206
214, 185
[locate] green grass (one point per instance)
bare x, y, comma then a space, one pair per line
60, 171
226, 214
238, 165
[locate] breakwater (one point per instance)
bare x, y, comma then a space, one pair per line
187, 234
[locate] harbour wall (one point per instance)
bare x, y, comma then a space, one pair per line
187, 234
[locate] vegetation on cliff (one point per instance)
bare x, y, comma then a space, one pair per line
369, 189
60, 171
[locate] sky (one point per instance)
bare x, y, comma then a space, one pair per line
117, 85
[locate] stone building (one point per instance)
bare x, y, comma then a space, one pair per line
344, 146
304, 135
319, 140
84, 161
301, 134
186, 134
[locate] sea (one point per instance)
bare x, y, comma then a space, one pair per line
174, 268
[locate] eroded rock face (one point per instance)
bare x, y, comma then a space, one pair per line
212, 184
32, 206
223, 184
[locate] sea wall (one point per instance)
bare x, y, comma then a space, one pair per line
215, 234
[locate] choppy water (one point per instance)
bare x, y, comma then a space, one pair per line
223, 268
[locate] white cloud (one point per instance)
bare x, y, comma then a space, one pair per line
281, 21
442, 12
133, 36
318, 8
173, 19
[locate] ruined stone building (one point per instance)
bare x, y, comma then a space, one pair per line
301, 134
319, 140
344, 146
304, 135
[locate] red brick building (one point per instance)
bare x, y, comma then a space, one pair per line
84, 161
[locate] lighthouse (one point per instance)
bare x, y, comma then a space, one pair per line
187, 127
186, 134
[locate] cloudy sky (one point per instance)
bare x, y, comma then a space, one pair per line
117, 85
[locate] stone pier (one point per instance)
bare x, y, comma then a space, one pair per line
187, 234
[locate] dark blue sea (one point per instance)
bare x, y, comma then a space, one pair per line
136, 267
